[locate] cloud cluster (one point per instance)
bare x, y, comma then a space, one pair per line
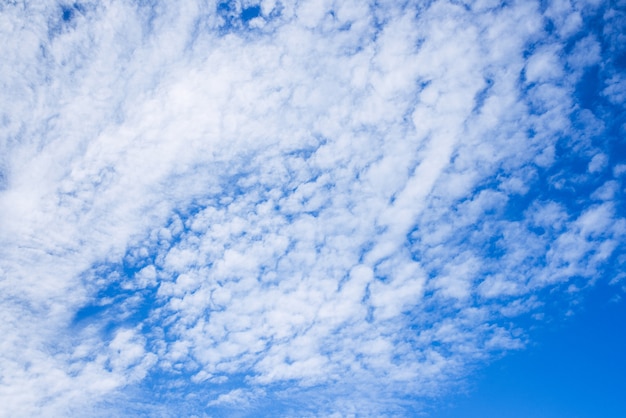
314, 207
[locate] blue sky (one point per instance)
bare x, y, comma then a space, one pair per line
573, 368
313, 208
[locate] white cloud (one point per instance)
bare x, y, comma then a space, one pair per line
586, 52
597, 163
544, 66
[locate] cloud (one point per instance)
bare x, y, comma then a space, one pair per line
277, 208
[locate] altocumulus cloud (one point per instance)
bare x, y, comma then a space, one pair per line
295, 208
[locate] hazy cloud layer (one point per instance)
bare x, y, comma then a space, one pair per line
323, 207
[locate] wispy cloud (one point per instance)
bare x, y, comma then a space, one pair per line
301, 208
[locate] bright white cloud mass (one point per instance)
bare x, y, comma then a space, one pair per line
278, 208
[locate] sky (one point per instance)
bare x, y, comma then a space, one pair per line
243, 208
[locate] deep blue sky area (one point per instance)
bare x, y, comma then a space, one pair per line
575, 367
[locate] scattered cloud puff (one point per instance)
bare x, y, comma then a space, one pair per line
277, 208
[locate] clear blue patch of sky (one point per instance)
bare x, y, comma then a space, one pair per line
235, 18
113, 307
575, 368
250, 13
